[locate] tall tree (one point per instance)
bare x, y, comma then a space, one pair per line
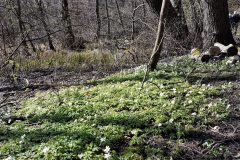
108, 19
22, 28
20, 23
98, 19
67, 24
216, 25
41, 9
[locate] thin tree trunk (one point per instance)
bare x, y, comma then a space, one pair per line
98, 19
4, 40
20, 23
108, 19
43, 20
120, 16
133, 19
159, 40
144, 9
67, 24
22, 28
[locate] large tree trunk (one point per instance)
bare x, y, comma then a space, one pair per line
216, 23
196, 17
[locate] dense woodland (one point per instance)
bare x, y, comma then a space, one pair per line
119, 79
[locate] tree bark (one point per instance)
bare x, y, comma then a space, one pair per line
20, 23
134, 4
98, 19
108, 19
216, 25
196, 17
43, 20
67, 24
120, 16
159, 40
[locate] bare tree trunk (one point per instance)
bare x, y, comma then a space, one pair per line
43, 20
144, 9
216, 23
3, 40
120, 16
20, 23
67, 24
98, 19
108, 19
159, 40
133, 19
22, 28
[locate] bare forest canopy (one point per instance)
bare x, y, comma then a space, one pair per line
32, 25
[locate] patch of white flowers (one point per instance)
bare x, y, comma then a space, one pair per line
9, 158
106, 151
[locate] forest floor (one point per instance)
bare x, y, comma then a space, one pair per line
216, 138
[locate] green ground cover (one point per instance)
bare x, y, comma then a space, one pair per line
113, 118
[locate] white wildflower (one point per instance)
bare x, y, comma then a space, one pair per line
171, 120
190, 101
215, 129
194, 114
103, 139
107, 149
161, 86
210, 104
107, 155
46, 150
23, 136
174, 90
160, 125
9, 120
228, 106
80, 156
134, 132
161, 94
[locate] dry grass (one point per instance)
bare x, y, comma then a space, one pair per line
64, 59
